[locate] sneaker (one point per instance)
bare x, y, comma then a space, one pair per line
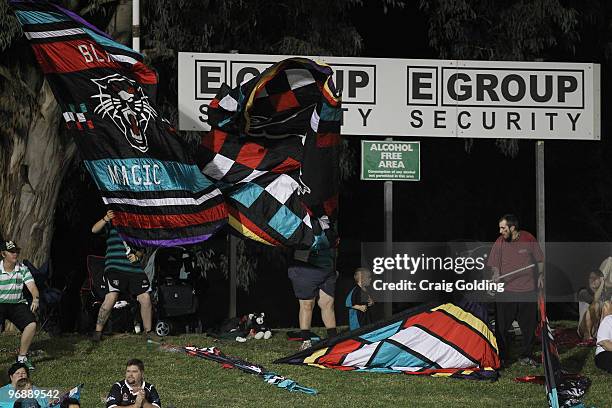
96, 337
306, 344
528, 361
151, 336
27, 363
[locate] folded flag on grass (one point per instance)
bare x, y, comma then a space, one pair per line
143, 170
215, 354
74, 393
274, 146
563, 390
441, 340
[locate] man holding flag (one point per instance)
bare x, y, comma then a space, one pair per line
513, 259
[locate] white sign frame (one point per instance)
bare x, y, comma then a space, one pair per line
408, 98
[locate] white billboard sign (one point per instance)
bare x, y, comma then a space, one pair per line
432, 98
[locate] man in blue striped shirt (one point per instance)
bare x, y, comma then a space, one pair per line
122, 274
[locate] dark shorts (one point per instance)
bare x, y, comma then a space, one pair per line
126, 282
17, 313
307, 281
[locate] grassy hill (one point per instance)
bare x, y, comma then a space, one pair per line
187, 382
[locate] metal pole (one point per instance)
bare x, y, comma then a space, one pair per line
388, 240
540, 195
233, 261
233, 266
136, 25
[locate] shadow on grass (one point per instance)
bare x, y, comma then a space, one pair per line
55, 348
574, 360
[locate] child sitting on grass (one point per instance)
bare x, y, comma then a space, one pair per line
23, 386
358, 300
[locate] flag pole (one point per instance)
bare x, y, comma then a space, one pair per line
388, 230
136, 25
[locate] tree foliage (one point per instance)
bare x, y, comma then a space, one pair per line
516, 30
519, 30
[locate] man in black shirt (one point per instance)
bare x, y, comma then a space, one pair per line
133, 391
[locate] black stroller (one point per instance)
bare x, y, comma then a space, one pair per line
176, 284
125, 312
50, 298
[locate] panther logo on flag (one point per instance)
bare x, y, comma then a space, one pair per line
124, 101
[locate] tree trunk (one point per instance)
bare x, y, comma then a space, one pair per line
35, 153
34, 158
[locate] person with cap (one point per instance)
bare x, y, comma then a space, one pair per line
122, 273
16, 372
13, 306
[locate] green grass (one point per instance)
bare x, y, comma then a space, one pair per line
189, 382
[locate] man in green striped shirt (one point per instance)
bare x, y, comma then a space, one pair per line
122, 274
13, 306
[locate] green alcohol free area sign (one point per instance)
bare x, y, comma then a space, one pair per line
386, 160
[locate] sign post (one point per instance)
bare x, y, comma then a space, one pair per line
390, 160
540, 195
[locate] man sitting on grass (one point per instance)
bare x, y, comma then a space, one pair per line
133, 391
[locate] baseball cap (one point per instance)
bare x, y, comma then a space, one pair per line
16, 366
10, 246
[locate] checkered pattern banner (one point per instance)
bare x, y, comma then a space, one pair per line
274, 149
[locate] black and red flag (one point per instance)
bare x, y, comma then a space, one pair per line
563, 390
142, 169
274, 145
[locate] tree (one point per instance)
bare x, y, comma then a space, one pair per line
515, 30
36, 153
552, 30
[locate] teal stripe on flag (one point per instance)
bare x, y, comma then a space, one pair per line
382, 333
390, 355
39, 17
107, 42
146, 174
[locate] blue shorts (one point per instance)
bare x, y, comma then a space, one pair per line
308, 280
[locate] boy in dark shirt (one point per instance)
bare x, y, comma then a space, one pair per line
358, 300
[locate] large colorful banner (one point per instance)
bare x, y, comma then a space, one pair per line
274, 144
142, 169
441, 340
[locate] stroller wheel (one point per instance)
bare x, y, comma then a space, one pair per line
163, 328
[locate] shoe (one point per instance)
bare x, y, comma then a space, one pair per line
27, 363
96, 337
306, 344
528, 361
151, 336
